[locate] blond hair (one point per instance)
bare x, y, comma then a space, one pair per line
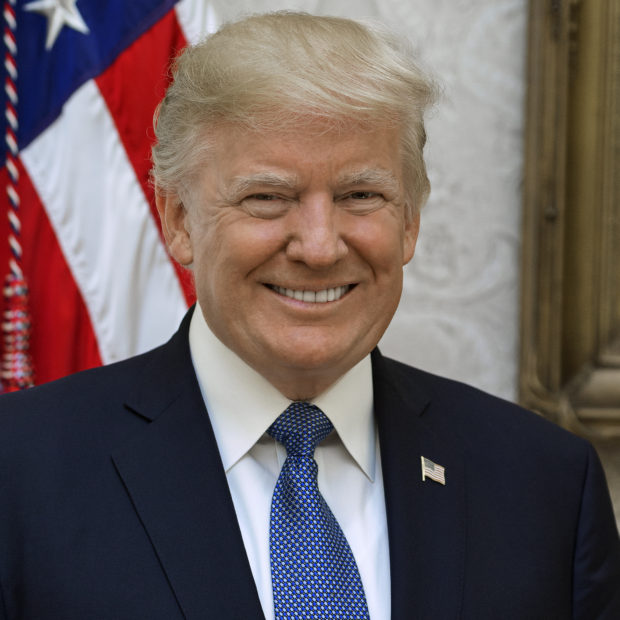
275, 70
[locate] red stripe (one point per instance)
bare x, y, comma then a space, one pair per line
62, 340
132, 87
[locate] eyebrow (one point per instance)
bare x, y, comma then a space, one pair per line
371, 176
367, 176
242, 184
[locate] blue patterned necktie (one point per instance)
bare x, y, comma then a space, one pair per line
313, 571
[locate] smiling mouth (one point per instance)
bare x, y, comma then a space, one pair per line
314, 297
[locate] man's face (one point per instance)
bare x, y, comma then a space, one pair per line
297, 242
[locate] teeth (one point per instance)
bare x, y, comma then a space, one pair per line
319, 297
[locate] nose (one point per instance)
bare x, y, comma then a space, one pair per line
315, 233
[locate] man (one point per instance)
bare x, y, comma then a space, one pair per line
289, 178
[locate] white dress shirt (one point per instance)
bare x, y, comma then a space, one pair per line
242, 404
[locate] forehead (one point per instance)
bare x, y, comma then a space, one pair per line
313, 145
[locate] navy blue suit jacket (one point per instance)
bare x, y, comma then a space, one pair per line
114, 504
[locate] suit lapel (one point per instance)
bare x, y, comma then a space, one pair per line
174, 477
176, 482
426, 521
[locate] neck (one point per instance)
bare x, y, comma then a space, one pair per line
303, 385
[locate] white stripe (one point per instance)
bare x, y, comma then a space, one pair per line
9, 138
15, 246
14, 220
13, 195
104, 226
10, 19
197, 18
15, 268
12, 168
10, 116
10, 43
11, 93
9, 65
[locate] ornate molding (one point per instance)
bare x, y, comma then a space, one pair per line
570, 328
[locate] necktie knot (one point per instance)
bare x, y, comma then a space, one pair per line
301, 428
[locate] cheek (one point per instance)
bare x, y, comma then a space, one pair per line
381, 244
230, 251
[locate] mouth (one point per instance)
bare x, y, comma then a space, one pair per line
313, 297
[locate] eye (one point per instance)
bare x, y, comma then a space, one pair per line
363, 195
362, 202
262, 197
265, 206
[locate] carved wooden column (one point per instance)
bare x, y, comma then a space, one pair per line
570, 329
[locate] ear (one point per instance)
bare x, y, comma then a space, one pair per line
412, 228
175, 227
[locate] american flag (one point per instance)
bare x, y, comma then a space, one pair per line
82, 80
433, 471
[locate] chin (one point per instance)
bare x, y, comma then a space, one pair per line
316, 357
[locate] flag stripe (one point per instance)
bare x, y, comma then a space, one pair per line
132, 87
103, 224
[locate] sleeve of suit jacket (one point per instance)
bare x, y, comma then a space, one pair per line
596, 588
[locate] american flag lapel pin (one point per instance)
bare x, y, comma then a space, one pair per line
433, 471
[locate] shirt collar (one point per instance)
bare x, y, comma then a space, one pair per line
242, 404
